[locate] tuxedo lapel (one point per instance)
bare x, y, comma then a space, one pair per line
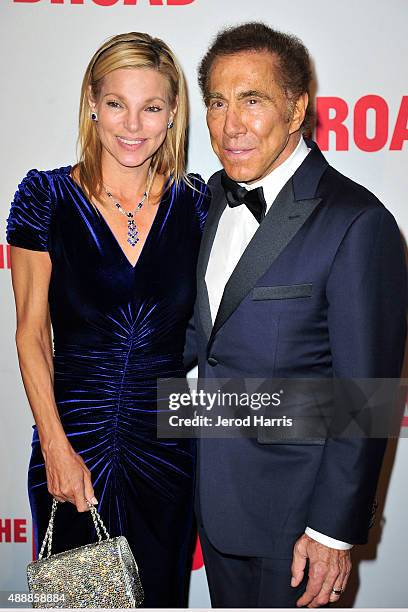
281, 224
291, 209
218, 204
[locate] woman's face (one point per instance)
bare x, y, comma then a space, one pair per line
133, 111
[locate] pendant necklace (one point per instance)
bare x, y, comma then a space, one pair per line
132, 232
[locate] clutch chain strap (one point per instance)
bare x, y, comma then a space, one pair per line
50, 529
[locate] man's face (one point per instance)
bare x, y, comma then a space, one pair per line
251, 122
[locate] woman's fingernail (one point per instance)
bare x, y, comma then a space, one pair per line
94, 501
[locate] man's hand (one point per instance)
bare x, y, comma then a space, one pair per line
329, 569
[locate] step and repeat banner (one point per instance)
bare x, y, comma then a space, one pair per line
359, 51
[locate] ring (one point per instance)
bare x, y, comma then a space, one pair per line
336, 592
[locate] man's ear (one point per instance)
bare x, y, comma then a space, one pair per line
299, 112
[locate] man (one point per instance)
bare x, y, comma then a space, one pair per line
302, 278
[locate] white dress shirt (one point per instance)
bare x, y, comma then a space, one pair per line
236, 229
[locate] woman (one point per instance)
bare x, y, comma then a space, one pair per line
117, 239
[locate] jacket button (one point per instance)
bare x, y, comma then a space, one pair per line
212, 361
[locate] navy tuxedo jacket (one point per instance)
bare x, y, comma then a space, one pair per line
320, 291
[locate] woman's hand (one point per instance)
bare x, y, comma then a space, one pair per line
68, 478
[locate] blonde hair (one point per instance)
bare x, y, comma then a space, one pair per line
132, 50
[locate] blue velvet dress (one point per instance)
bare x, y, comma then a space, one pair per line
117, 328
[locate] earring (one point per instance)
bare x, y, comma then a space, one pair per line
94, 117
170, 124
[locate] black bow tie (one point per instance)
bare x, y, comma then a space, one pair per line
236, 195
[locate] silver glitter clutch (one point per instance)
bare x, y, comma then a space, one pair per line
99, 575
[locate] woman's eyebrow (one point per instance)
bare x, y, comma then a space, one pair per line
145, 101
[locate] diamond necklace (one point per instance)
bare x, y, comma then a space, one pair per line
132, 233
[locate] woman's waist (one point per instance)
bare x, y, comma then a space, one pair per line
110, 361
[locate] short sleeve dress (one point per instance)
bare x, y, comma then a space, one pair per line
117, 328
